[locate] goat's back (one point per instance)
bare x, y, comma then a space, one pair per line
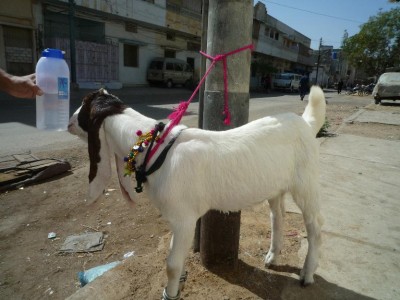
229, 170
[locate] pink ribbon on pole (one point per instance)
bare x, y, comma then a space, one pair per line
178, 113
223, 57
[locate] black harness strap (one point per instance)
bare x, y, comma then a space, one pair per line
141, 173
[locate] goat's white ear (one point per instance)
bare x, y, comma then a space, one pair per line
100, 167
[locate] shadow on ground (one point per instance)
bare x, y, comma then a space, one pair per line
268, 285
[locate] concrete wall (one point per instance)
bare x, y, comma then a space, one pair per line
151, 44
286, 48
18, 14
188, 23
133, 9
272, 47
144, 39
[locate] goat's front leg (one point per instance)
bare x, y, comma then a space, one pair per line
182, 241
277, 213
184, 274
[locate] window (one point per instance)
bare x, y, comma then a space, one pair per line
190, 65
271, 34
277, 35
169, 66
156, 65
169, 53
188, 68
131, 53
178, 67
266, 32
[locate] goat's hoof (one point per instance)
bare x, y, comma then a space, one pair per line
304, 284
304, 281
269, 259
165, 296
182, 281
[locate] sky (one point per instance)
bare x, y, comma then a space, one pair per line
325, 19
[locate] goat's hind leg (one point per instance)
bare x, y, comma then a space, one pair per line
277, 212
182, 241
313, 222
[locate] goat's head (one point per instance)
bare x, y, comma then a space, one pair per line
87, 123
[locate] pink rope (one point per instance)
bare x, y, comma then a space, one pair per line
178, 113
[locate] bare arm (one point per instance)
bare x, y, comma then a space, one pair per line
19, 86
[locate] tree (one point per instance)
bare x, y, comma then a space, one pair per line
377, 45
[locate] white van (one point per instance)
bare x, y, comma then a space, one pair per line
169, 71
286, 81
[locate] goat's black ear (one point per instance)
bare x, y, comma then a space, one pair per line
100, 165
96, 108
84, 115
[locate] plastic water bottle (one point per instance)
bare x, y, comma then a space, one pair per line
52, 76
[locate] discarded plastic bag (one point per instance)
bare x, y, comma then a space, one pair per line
91, 274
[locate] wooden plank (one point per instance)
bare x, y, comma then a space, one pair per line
7, 178
7, 165
25, 157
42, 162
6, 158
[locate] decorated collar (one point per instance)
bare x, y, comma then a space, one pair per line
144, 141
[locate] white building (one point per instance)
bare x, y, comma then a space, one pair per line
115, 40
278, 47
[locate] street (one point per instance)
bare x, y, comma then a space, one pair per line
359, 175
17, 116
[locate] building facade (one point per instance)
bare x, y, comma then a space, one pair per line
17, 37
115, 40
278, 47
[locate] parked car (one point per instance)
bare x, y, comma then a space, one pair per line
387, 87
286, 81
169, 71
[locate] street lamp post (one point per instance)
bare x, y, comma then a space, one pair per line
319, 58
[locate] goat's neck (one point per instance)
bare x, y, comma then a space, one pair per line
122, 129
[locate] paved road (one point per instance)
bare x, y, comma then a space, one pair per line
17, 116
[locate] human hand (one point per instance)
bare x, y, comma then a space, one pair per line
24, 86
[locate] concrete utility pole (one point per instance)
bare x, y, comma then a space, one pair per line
229, 28
204, 26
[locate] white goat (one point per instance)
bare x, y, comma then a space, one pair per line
225, 170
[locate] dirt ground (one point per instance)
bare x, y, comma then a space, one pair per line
31, 266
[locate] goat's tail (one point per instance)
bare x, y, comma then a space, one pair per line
314, 113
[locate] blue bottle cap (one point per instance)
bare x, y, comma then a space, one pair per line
55, 53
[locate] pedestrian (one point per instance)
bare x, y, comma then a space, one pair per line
19, 86
340, 86
267, 83
303, 86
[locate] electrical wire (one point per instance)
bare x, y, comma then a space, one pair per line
313, 12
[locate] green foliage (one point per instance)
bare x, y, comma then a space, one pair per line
324, 129
377, 45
